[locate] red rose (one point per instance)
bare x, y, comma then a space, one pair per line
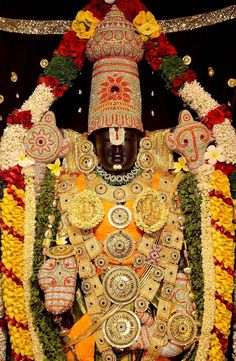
165, 48
149, 54
20, 117
150, 44
226, 111
49, 81
225, 168
131, 8
71, 45
215, 116
189, 76
155, 63
59, 91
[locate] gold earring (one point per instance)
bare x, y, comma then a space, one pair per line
87, 160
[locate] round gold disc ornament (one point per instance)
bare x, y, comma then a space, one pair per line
150, 211
87, 162
145, 160
122, 329
121, 285
182, 329
86, 146
119, 216
86, 210
61, 251
119, 245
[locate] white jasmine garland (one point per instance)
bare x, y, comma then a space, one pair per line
11, 142
225, 137
208, 319
197, 98
28, 253
39, 102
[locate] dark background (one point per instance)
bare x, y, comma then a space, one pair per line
211, 46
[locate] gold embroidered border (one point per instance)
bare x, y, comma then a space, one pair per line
58, 27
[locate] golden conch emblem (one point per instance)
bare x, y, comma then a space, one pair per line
150, 211
86, 210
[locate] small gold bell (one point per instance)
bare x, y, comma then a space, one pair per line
51, 218
187, 271
48, 233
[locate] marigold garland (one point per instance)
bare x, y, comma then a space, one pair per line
12, 216
221, 206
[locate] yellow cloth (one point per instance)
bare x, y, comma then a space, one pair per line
84, 349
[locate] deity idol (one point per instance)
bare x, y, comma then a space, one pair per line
125, 261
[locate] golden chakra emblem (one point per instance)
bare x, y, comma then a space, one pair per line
86, 210
119, 216
122, 329
150, 211
182, 329
121, 285
119, 245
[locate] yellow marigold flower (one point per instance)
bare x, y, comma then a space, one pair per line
84, 24
146, 25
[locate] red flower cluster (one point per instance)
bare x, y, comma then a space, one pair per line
225, 168
13, 176
73, 47
157, 49
22, 117
57, 90
187, 77
129, 7
216, 116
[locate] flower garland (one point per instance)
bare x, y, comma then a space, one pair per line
3, 336
208, 318
29, 239
3, 324
191, 210
12, 222
47, 331
60, 74
161, 55
221, 206
190, 207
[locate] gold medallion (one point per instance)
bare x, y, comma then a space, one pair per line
119, 245
86, 210
122, 329
182, 329
121, 285
119, 216
150, 211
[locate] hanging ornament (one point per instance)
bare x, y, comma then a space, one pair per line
14, 77
1, 98
187, 59
44, 63
232, 82
211, 71
110, 1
